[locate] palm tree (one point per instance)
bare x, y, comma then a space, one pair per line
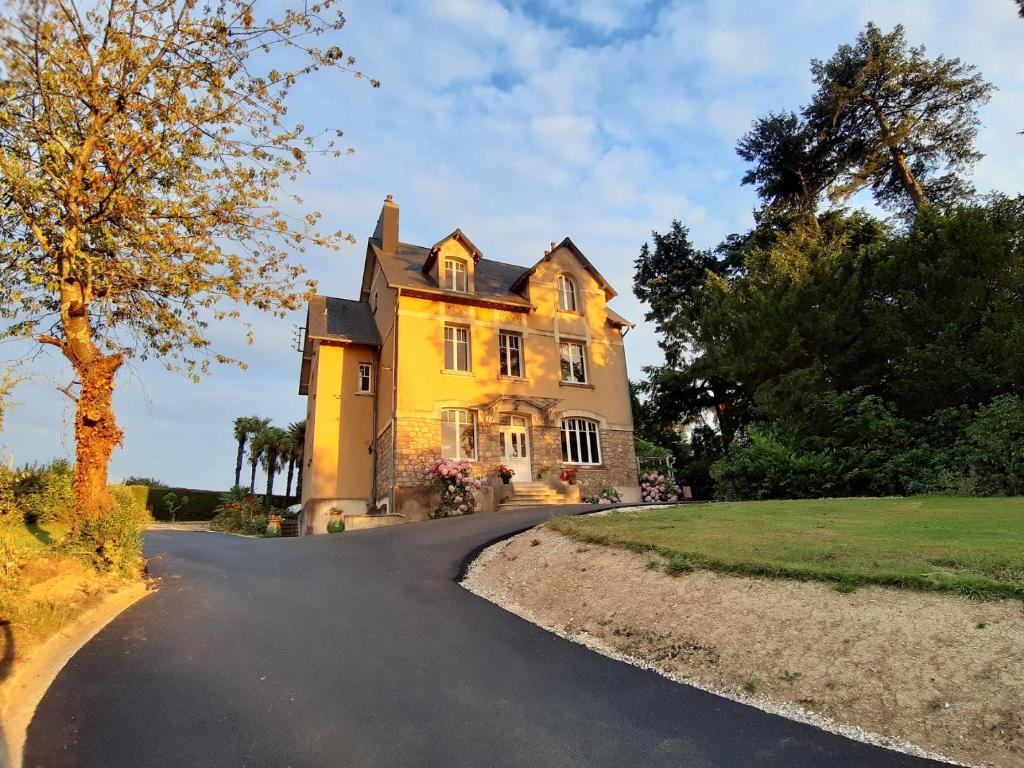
245, 428
297, 445
273, 443
256, 449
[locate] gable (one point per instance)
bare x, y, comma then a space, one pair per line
567, 248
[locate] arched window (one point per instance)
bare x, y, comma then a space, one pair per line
454, 278
581, 443
566, 293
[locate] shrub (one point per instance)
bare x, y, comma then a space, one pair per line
644, 448
991, 450
202, 505
655, 487
606, 496
763, 467
456, 484
45, 492
240, 515
115, 537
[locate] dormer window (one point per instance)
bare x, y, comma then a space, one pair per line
566, 294
454, 275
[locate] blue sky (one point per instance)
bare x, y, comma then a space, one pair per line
522, 123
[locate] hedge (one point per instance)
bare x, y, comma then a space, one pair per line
200, 504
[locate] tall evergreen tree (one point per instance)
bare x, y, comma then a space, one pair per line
895, 121
790, 166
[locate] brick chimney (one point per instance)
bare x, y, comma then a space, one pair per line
387, 225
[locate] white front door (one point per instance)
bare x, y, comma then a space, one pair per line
515, 448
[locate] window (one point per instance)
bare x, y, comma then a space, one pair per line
580, 444
566, 293
574, 366
510, 348
454, 275
456, 348
458, 434
365, 378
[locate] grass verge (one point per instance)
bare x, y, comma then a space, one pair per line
970, 546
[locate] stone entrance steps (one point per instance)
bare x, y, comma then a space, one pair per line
532, 494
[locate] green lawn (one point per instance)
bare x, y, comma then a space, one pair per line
972, 546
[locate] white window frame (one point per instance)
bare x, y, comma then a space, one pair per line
568, 347
567, 294
456, 272
365, 374
572, 429
505, 353
460, 418
452, 339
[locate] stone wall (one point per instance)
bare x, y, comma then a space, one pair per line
419, 443
618, 467
384, 456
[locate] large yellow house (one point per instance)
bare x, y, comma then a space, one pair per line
449, 354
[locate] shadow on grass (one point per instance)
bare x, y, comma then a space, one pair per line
40, 534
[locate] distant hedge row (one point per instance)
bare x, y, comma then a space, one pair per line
200, 504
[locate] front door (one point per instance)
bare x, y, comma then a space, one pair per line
515, 447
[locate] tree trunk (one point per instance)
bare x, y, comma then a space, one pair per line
252, 480
907, 179
298, 478
238, 461
96, 430
96, 435
288, 482
271, 471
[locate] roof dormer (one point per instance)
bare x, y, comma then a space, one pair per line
452, 261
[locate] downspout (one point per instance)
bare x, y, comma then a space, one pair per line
394, 411
373, 431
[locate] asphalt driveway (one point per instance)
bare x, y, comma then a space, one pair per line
361, 650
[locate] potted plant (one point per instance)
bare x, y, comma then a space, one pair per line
335, 521
273, 524
568, 475
506, 474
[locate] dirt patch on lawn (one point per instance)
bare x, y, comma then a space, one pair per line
938, 671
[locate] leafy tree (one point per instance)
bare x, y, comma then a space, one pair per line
143, 148
9, 380
245, 427
895, 120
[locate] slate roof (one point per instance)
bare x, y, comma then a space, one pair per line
342, 320
494, 279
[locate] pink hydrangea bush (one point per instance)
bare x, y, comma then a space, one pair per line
607, 496
454, 479
659, 488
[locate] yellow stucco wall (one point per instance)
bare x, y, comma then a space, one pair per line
424, 387
339, 425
